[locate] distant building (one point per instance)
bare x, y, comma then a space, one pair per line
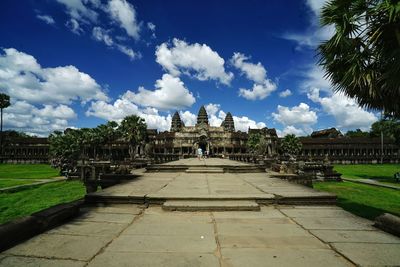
221, 140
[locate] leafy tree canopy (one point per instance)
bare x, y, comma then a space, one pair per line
290, 145
362, 59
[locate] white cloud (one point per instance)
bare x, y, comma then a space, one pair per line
22, 116
313, 76
23, 78
123, 107
102, 35
253, 72
259, 91
123, 13
212, 109
262, 86
170, 93
46, 18
347, 113
78, 11
74, 26
285, 93
291, 130
188, 118
244, 123
297, 115
195, 60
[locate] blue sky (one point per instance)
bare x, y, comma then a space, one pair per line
79, 63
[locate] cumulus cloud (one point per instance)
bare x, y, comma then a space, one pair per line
297, 115
170, 93
23, 78
253, 72
123, 13
123, 107
41, 96
292, 130
188, 118
152, 27
262, 86
347, 113
259, 91
195, 60
40, 121
46, 18
285, 93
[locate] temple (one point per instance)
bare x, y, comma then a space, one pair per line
220, 141
182, 141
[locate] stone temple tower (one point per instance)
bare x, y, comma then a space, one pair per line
176, 123
202, 117
228, 123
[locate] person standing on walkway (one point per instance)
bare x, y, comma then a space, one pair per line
199, 153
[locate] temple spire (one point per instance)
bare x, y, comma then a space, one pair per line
176, 123
202, 117
228, 123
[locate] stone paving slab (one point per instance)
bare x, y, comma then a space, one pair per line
152, 243
348, 236
107, 217
255, 257
367, 254
340, 223
128, 259
168, 228
304, 212
78, 227
61, 246
17, 261
267, 241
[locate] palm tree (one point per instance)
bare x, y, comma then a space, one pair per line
291, 146
4, 103
133, 129
362, 59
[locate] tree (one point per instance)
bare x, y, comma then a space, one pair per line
4, 103
389, 127
133, 129
290, 146
256, 143
362, 59
357, 133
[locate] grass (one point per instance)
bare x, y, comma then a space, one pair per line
14, 182
25, 202
363, 200
379, 172
27, 171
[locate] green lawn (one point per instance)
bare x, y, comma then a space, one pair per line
363, 200
27, 171
379, 172
25, 202
14, 182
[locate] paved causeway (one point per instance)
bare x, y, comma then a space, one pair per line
149, 235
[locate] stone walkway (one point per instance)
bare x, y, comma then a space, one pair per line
131, 235
372, 182
148, 235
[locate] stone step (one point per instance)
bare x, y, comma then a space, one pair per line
184, 205
204, 170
